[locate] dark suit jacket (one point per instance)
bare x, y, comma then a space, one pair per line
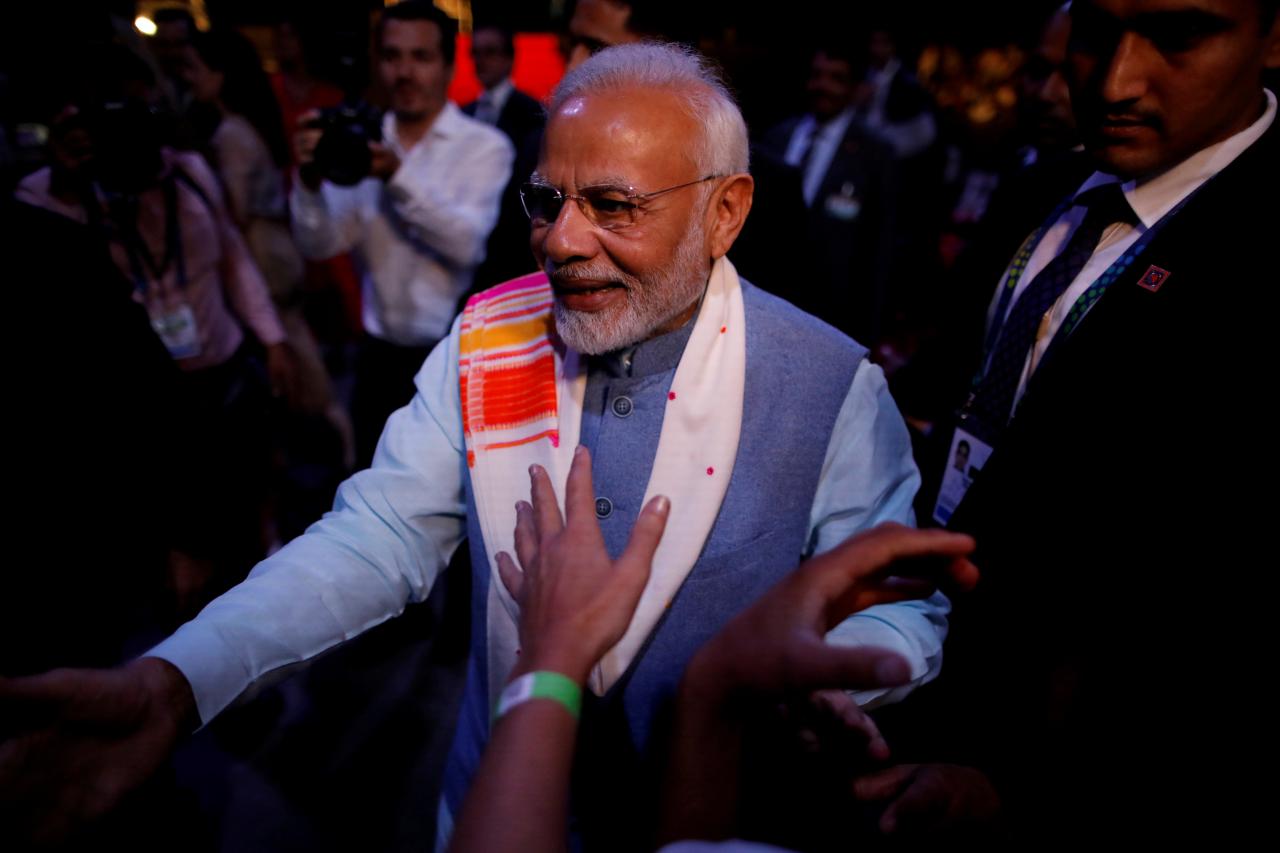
853, 253
1107, 672
521, 116
508, 254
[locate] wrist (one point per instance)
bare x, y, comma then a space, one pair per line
169, 689
571, 666
540, 684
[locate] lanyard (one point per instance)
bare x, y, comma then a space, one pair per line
1075, 315
141, 260
1016, 268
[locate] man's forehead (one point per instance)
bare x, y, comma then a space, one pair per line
412, 34
618, 127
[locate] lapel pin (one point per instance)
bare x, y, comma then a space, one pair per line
1154, 278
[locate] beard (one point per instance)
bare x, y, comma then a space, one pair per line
652, 300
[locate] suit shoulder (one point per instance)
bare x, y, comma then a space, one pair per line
783, 323
526, 102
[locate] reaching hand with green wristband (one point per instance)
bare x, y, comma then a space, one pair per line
541, 685
575, 604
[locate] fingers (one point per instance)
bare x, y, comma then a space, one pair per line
546, 513
921, 806
873, 593
304, 145
637, 559
844, 708
884, 785
963, 573
512, 577
526, 536
579, 494
892, 549
816, 665
38, 696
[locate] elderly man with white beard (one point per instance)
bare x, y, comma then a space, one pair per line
771, 434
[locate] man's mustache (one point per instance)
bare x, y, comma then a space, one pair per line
579, 272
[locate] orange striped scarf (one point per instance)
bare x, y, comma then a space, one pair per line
521, 404
507, 368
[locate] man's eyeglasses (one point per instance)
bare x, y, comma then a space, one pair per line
612, 208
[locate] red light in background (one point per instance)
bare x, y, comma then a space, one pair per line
538, 68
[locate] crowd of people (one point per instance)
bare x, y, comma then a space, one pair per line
660, 410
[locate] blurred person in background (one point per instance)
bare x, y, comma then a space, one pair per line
417, 216
847, 175
170, 232
249, 152
521, 118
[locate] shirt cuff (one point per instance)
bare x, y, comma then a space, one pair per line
215, 673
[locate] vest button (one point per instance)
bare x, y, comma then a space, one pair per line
604, 507
622, 406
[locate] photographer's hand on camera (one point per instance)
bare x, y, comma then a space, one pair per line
384, 163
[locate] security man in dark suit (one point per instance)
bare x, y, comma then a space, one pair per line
1106, 679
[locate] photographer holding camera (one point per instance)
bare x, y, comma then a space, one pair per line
424, 198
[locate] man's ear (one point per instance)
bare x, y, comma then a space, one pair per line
1271, 58
730, 204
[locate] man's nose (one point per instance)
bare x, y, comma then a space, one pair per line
571, 235
1054, 88
1126, 75
400, 70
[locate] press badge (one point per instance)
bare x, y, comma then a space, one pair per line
968, 454
177, 328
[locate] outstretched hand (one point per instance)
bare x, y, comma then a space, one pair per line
575, 603
778, 646
74, 742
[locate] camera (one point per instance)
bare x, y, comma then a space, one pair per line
342, 154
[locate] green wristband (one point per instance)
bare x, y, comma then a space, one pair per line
540, 685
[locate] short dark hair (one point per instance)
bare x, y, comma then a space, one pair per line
506, 36
421, 10
843, 49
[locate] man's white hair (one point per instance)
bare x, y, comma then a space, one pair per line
722, 148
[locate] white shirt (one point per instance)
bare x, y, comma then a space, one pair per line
826, 139
1150, 200
420, 235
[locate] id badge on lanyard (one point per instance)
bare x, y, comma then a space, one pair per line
965, 461
171, 318
177, 328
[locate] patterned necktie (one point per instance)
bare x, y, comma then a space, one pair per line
993, 401
806, 159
